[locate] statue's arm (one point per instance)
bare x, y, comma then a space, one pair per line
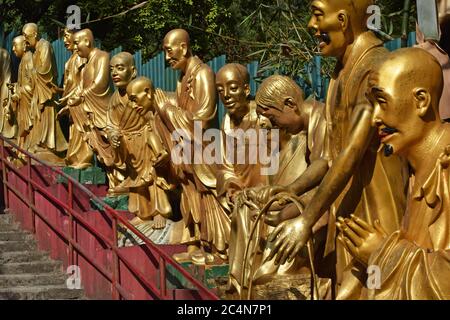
205, 95
101, 81
311, 178
343, 166
45, 64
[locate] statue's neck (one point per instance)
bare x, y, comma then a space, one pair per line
422, 156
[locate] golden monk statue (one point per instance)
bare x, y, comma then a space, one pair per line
79, 154
360, 180
123, 71
89, 102
47, 137
7, 127
301, 128
205, 219
145, 165
413, 262
233, 87
23, 92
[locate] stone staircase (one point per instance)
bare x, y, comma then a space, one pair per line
25, 272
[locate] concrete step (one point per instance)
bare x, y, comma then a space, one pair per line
6, 218
29, 279
6, 246
48, 292
31, 267
13, 226
14, 236
22, 256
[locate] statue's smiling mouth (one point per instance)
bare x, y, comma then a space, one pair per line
386, 132
323, 39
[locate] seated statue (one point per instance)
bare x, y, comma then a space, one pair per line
232, 83
145, 165
22, 92
79, 153
301, 130
47, 138
413, 262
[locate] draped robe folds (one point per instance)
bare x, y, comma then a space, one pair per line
378, 186
7, 127
95, 90
205, 216
79, 154
147, 185
24, 113
415, 261
47, 130
240, 175
294, 158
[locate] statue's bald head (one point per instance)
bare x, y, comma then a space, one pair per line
176, 45
30, 32
19, 46
83, 42
140, 92
405, 91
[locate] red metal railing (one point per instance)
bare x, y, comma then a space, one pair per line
75, 217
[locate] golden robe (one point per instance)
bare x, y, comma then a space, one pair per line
235, 175
415, 261
204, 216
7, 127
378, 186
47, 131
147, 197
91, 113
294, 158
24, 114
79, 154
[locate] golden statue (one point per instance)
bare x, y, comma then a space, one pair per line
360, 180
233, 87
47, 137
301, 128
413, 262
205, 220
7, 127
145, 158
440, 50
79, 154
89, 102
123, 71
22, 92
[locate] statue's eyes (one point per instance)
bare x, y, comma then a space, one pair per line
220, 89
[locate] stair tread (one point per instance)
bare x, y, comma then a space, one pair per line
32, 275
38, 288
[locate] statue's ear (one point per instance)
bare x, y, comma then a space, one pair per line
422, 100
290, 103
184, 48
247, 89
344, 19
134, 75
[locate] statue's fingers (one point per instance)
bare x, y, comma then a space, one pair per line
362, 223
357, 229
352, 236
351, 247
287, 252
275, 233
281, 252
295, 252
378, 227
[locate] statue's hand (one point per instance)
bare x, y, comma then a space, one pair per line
161, 99
74, 101
264, 194
288, 239
360, 238
115, 140
275, 218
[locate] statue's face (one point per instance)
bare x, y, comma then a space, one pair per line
30, 36
175, 53
68, 40
19, 48
327, 24
122, 72
81, 46
141, 97
233, 91
395, 115
282, 115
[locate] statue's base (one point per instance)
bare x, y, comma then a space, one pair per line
91, 175
211, 275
